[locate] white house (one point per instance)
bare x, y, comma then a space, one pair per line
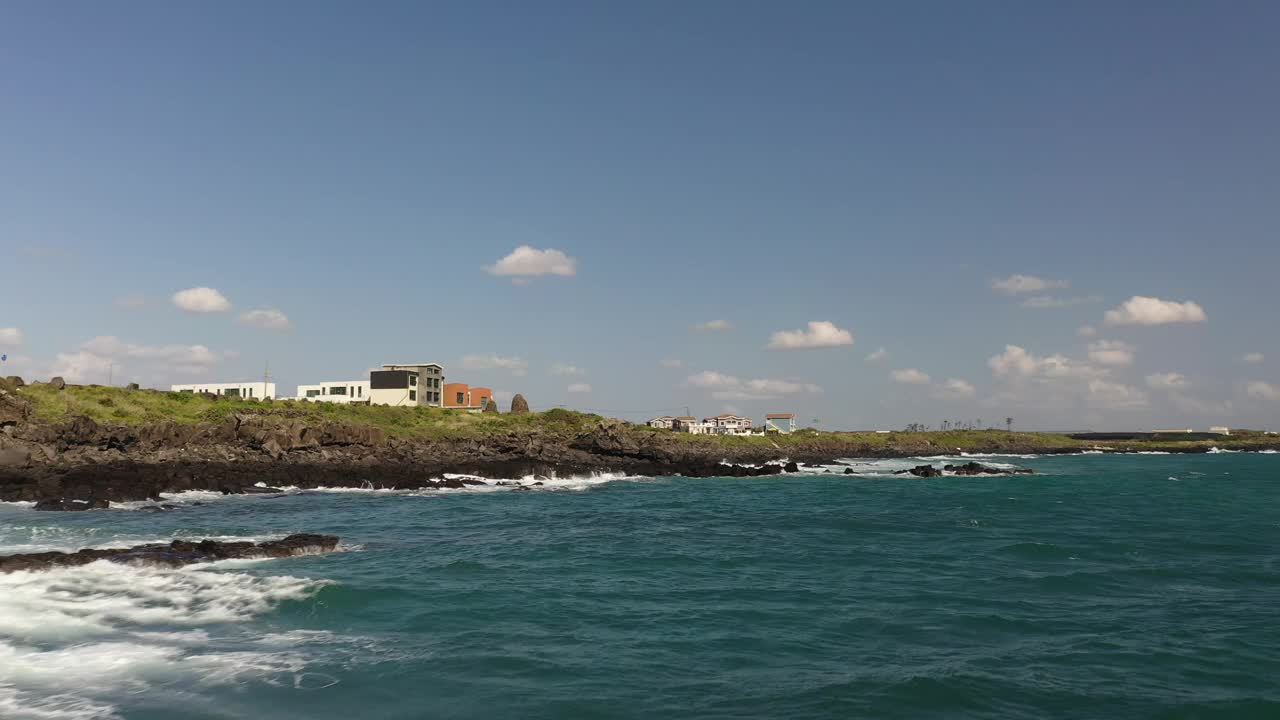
1220, 430
729, 424
249, 390
780, 422
336, 391
662, 423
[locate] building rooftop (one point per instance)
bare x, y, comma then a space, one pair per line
418, 364
779, 416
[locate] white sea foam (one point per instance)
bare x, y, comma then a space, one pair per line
73, 641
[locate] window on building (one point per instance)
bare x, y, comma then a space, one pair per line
231, 392
338, 391
359, 391
461, 399
312, 393
413, 395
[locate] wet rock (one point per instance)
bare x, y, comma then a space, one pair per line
791, 468
260, 490
848, 471
923, 471
176, 553
63, 504
973, 468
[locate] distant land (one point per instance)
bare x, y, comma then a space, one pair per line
108, 444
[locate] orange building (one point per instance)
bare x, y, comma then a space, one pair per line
461, 395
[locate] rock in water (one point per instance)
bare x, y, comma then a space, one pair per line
973, 468
924, 471
176, 553
519, 405
71, 505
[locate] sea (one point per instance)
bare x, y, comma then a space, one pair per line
1103, 586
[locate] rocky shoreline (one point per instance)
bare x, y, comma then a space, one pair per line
79, 463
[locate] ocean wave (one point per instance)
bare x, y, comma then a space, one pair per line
73, 640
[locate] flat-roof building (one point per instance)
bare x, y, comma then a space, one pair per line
430, 379
336, 391
248, 390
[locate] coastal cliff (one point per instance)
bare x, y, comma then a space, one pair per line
115, 444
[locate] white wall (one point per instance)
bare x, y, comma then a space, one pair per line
249, 390
353, 391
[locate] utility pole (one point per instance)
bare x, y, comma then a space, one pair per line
111, 370
266, 378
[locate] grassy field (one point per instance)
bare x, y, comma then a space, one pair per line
134, 407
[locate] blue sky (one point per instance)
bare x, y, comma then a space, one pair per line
876, 167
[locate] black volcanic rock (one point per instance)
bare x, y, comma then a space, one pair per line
175, 554
973, 468
63, 504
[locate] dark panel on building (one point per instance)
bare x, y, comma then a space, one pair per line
389, 379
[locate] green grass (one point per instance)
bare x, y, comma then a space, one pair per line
136, 407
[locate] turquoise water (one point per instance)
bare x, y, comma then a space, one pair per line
1105, 587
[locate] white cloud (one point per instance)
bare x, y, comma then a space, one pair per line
880, 355
266, 318
955, 389
1086, 331
1111, 352
10, 337
1115, 396
201, 300
820, 334
490, 361
781, 387
713, 326
526, 261
1139, 310
1166, 381
1255, 358
1016, 362
712, 379
672, 363
1018, 284
580, 388
95, 359
910, 376
132, 301
1048, 301
1263, 391
565, 369
728, 387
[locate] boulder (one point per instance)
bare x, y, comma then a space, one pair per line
14, 457
848, 471
519, 405
132, 386
791, 468
16, 381
492, 407
57, 383
13, 409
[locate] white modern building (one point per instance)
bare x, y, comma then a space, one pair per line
336, 391
780, 422
428, 383
248, 390
662, 423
